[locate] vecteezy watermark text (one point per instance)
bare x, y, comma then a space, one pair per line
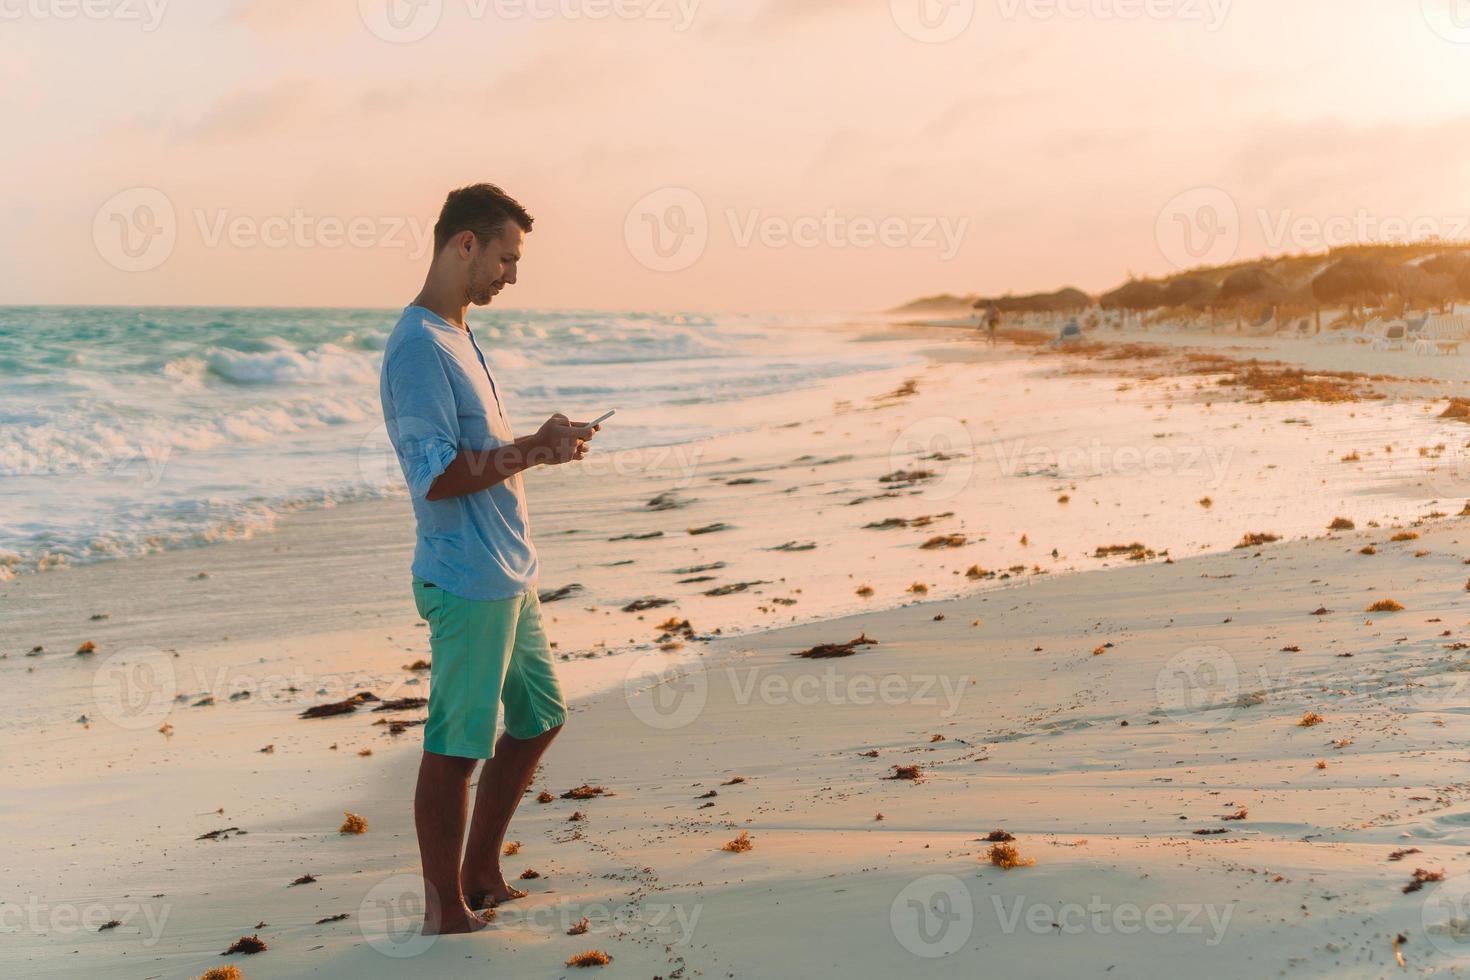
669, 230
1211, 14
147, 13
406, 21
136, 230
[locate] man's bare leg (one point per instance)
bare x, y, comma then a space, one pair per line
439, 805
503, 782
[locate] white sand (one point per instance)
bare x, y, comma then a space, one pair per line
1033, 740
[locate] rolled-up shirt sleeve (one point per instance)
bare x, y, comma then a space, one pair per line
423, 422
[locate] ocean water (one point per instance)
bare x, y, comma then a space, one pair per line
125, 431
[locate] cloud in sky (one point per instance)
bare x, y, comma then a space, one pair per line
1054, 142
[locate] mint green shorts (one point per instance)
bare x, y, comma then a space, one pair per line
486, 654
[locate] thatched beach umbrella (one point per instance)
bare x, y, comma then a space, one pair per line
1355, 281
1252, 285
1455, 266
1190, 291
1421, 288
1069, 300
1252, 288
1136, 295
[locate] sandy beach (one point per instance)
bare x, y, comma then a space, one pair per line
1082, 658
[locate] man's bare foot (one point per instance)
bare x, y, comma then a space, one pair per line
467, 920
487, 896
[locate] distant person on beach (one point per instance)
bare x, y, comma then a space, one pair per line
474, 566
991, 319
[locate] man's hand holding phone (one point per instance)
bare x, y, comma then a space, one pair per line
562, 440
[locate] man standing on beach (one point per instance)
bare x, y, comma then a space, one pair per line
474, 566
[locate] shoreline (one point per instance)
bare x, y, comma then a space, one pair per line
647, 859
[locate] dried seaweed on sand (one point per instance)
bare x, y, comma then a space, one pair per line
638, 605
827, 651
344, 707
1135, 551
732, 588
709, 528
222, 834
402, 704
1256, 539
247, 945
1421, 877
740, 844
1007, 856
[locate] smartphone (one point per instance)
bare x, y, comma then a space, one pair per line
603, 419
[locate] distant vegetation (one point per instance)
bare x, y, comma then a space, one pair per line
1421, 275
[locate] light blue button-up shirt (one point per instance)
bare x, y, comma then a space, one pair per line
439, 398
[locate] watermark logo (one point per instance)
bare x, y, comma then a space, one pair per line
670, 924
1103, 918
933, 21
939, 446
831, 230
135, 230
1450, 19
1200, 226
1288, 231
401, 21
1210, 14
391, 915
1445, 914
832, 687
662, 695
139, 921
377, 460
933, 916
1446, 469
670, 229
406, 21
147, 13
135, 688
667, 230
1095, 458
1199, 686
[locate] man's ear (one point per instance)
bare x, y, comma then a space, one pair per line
464, 244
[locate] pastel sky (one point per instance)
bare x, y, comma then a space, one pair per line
822, 155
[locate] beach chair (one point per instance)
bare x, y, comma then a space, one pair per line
1443, 335
1349, 334
1393, 337
1369, 332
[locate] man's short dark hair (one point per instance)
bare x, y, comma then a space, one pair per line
481, 208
